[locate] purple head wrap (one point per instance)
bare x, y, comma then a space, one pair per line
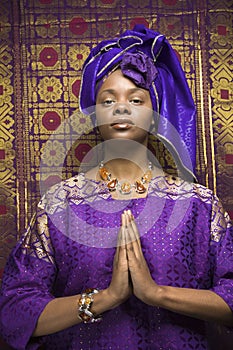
147, 58
139, 68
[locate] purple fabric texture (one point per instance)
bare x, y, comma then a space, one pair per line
169, 91
139, 68
57, 258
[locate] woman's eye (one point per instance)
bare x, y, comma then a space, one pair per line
136, 101
108, 102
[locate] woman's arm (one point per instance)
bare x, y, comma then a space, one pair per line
201, 304
61, 313
58, 314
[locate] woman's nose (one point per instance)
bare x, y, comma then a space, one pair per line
122, 108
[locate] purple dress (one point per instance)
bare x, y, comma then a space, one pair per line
187, 240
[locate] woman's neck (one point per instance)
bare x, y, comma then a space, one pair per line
126, 160
124, 169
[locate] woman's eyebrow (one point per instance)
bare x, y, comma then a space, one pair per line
112, 91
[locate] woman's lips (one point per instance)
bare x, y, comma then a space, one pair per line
122, 124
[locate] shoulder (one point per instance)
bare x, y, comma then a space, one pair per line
207, 202
177, 188
57, 196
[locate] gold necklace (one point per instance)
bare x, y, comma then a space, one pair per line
125, 187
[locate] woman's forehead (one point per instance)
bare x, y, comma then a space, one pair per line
116, 81
116, 78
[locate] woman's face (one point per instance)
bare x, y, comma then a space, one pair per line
123, 110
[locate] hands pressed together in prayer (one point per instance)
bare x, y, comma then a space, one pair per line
131, 274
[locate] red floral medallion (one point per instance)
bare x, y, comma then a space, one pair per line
49, 56
78, 26
83, 150
76, 87
51, 120
170, 2
138, 20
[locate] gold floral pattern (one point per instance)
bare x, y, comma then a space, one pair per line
50, 89
53, 153
77, 54
81, 123
46, 26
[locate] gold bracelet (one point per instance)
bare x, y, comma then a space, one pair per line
84, 305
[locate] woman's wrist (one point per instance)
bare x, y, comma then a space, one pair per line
112, 300
153, 295
103, 301
116, 298
85, 302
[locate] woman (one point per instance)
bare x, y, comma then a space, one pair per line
124, 256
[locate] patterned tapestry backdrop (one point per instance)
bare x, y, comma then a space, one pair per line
43, 46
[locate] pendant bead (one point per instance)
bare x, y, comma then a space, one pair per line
125, 188
147, 176
104, 174
112, 184
140, 188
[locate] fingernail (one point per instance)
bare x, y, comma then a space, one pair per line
130, 214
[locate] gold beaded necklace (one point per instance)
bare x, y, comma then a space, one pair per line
125, 187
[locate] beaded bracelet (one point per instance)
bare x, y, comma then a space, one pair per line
84, 305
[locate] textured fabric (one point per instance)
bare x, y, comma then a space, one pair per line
187, 240
170, 95
43, 45
140, 68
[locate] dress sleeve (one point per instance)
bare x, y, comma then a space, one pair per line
222, 245
27, 284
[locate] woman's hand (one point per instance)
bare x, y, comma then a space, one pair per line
130, 269
120, 289
144, 286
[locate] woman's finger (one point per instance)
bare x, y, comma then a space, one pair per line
134, 227
120, 258
134, 240
120, 241
122, 247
